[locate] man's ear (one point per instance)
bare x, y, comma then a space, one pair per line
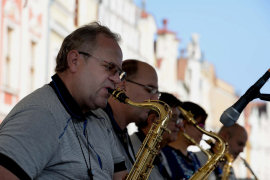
226, 136
73, 60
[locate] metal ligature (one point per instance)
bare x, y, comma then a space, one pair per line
150, 147
221, 146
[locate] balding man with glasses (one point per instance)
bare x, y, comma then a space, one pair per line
58, 131
140, 84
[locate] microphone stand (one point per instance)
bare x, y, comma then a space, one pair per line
249, 168
265, 97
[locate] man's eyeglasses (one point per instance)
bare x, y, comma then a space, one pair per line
200, 124
149, 89
110, 66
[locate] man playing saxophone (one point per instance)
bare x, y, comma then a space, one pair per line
159, 171
141, 84
183, 163
236, 138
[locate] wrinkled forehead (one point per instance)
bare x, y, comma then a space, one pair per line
109, 49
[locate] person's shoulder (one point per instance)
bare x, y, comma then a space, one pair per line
199, 153
40, 95
133, 136
38, 99
202, 157
101, 114
168, 148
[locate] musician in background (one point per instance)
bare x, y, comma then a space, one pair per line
182, 163
141, 84
159, 172
236, 137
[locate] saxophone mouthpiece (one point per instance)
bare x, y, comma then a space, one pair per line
118, 94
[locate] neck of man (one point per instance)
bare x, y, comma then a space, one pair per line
119, 113
180, 144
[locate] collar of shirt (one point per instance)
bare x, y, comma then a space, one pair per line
67, 100
140, 135
116, 127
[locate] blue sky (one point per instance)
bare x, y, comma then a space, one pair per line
234, 34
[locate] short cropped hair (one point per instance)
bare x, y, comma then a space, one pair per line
231, 130
170, 99
195, 109
83, 36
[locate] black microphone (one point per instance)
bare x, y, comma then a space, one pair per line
231, 115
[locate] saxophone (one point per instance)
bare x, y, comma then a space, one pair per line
150, 147
227, 167
207, 153
211, 164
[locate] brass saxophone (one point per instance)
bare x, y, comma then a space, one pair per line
227, 167
150, 147
221, 146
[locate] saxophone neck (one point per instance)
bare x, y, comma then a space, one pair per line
207, 153
159, 106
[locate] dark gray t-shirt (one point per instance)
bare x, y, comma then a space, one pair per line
39, 135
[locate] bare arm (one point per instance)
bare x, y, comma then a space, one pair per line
120, 175
6, 174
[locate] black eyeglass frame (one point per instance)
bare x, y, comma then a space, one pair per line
111, 65
149, 89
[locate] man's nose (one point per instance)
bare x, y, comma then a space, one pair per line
115, 78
